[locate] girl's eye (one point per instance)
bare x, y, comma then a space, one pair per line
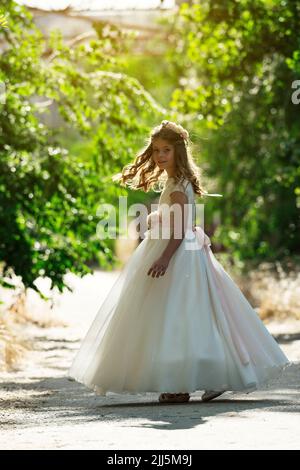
165, 150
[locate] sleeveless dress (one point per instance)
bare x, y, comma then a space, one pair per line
190, 329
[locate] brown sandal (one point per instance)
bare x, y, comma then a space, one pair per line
211, 394
174, 397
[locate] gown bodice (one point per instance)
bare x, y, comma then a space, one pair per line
183, 186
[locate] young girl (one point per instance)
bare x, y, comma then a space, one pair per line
175, 322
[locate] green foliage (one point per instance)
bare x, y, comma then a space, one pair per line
224, 69
49, 195
237, 61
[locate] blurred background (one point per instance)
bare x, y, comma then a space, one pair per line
82, 85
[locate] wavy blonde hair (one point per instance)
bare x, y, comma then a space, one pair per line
144, 174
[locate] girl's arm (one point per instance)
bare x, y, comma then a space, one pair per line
179, 198
159, 266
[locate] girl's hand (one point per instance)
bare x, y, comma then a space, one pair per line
159, 267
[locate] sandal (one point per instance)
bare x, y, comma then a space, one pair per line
210, 394
174, 397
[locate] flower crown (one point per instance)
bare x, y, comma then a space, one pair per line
176, 128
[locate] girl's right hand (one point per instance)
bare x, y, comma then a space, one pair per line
159, 267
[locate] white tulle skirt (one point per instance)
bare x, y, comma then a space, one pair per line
191, 329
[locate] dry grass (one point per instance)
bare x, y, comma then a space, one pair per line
13, 345
14, 317
274, 290
23, 315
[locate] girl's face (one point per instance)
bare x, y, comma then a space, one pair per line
163, 155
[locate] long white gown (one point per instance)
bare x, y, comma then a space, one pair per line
191, 329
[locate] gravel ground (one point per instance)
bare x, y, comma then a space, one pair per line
42, 409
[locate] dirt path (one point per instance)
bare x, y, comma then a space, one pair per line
41, 409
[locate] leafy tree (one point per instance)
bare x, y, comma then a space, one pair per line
236, 62
49, 196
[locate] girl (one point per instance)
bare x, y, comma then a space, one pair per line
175, 322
